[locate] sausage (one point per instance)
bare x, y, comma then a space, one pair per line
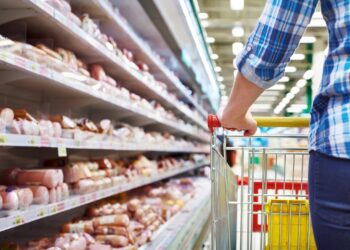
46, 177
7, 115
113, 240
40, 194
65, 190
111, 230
78, 227
10, 199
58, 194
97, 246
113, 220
48, 51
52, 195
84, 186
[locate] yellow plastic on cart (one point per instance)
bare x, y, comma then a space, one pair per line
289, 226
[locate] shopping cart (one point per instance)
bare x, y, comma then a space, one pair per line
262, 201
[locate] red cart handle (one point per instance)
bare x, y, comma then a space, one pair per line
213, 123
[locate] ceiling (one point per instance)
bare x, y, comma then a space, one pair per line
218, 20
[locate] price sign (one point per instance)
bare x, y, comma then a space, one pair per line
3, 139
18, 220
41, 213
62, 150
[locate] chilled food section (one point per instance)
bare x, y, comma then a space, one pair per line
95, 122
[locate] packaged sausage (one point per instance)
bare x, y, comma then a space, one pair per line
121, 220
8, 176
84, 186
111, 230
46, 177
10, 199
7, 115
113, 240
52, 195
98, 246
40, 194
78, 227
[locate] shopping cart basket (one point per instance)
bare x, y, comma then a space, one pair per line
262, 201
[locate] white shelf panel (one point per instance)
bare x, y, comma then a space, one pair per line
52, 79
36, 212
128, 37
182, 230
71, 36
12, 140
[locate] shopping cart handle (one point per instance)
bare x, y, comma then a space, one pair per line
286, 122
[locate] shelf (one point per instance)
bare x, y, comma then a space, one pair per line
54, 86
36, 212
67, 34
182, 230
12, 140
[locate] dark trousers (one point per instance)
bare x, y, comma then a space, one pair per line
329, 191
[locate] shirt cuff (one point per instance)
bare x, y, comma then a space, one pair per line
253, 68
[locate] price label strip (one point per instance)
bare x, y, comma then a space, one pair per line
62, 150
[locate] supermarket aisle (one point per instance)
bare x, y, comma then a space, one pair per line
103, 133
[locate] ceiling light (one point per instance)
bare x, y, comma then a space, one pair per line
205, 23
294, 110
290, 69
221, 79
299, 106
261, 106
237, 48
277, 111
270, 93
298, 57
294, 90
284, 79
214, 56
203, 15
222, 86
301, 83
210, 40
308, 74
237, 4
278, 87
238, 31
290, 96
267, 99
308, 39
218, 69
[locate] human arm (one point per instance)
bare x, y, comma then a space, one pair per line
264, 58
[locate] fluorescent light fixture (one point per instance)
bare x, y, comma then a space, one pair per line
317, 15
277, 111
317, 23
291, 69
221, 79
308, 74
222, 86
210, 40
218, 69
205, 23
301, 83
290, 96
267, 99
284, 79
294, 90
308, 39
298, 57
294, 110
237, 48
214, 56
203, 15
238, 31
299, 106
270, 93
264, 106
278, 87
237, 4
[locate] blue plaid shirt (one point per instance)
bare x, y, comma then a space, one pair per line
270, 47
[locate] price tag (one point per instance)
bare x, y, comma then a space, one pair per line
41, 213
3, 139
54, 209
4, 56
32, 141
62, 151
18, 220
